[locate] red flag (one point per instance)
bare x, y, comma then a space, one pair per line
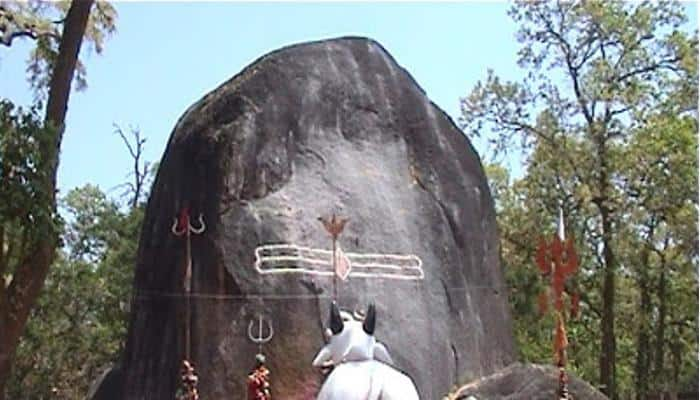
342, 264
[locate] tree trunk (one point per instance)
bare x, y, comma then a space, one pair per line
607, 340
64, 69
28, 278
676, 356
26, 284
642, 362
660, 327
6, 357
608, 345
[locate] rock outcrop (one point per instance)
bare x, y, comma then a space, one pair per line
525, 382
308, 130
108, 385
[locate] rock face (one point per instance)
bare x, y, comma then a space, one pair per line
308, 130
107, 386
525, 382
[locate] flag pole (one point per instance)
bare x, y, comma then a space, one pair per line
558, 262
334, 226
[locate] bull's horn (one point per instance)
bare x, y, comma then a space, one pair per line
370, 320
336, 321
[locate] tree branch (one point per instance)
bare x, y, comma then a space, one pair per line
64, 69
517, 125
587, 54
621, 110
136, 152
118, 130
8, 35
565, 48
663, 64
629, 49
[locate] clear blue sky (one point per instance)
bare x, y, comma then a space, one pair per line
165, 56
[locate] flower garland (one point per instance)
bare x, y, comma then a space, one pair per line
188, 388
259, 381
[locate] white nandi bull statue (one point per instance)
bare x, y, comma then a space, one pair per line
361, 364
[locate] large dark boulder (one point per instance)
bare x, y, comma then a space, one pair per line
330, 126
108, 385
525, 382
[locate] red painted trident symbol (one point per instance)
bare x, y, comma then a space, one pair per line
558, 261
334, 226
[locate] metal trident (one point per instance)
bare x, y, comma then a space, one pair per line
183, 227
558, 261
182, 224
334, 226
260, 339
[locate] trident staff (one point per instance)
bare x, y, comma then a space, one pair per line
334, 226
259, 387
183, 227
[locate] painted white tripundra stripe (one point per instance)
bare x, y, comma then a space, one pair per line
291, 258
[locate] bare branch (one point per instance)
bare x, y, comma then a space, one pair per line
572, 70
118, 130
620, 111
521, 126
135, 147
588, 52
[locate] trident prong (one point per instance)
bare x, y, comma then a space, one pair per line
202, 226
174, 229
196, 230
260, 339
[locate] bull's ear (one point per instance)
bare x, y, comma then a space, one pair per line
336, 322
322, 356
370, 320
380, 353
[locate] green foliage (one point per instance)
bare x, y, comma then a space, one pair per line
591, 67
27, 215
79, 324
606, 122
24, 154
42, 21
29, 223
